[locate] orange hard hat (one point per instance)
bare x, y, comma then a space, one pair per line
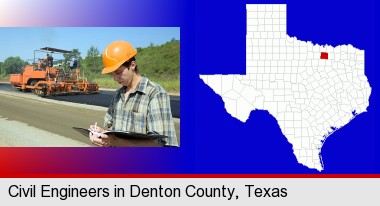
116, 54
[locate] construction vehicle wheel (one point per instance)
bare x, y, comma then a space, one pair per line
34, 82
44, 90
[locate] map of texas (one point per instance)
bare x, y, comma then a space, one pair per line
311, 90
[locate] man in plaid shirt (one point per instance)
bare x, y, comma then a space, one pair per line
140, 106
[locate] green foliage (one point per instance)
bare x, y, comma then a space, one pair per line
1, 68
13, 65
160, 62
171, 86
3, 75
92, 64
139, 49
107, 82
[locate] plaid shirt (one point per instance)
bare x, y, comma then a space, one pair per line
145, 110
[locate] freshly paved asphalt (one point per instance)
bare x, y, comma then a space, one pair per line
103, 98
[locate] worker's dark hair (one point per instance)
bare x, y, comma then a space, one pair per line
128, 63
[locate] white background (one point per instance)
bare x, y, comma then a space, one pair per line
300, 191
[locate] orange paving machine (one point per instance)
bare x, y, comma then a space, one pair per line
45, 79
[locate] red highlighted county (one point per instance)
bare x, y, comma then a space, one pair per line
324, 55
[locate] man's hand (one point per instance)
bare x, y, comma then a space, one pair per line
97, 137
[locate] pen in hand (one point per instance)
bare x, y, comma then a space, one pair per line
95, 131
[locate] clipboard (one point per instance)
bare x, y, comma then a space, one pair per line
123, 134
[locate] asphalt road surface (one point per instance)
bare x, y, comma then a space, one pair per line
103, 98
29, 120
26, 116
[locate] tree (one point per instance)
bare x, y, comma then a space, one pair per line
13, 65
93, 61
1, 68
139, 49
